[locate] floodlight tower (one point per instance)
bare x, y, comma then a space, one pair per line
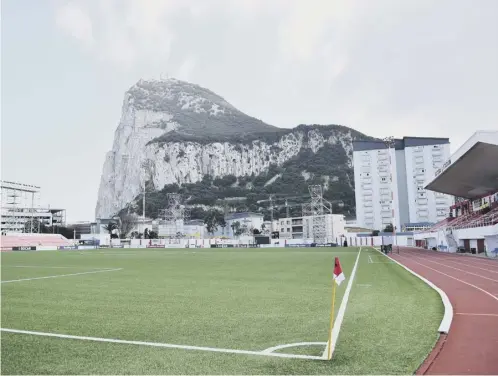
317, 209
390, 142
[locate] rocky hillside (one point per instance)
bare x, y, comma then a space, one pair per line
180, 137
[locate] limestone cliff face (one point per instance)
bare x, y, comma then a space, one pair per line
175, 132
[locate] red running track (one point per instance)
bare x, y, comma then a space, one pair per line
471, 283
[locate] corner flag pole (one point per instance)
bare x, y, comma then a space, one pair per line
336, 280
332, 311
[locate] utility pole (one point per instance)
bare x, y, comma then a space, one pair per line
143, 201
271, 212
32, 211
389, 142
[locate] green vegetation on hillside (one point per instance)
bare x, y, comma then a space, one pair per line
328, 167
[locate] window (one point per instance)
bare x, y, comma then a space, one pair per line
288, 222
288, 229
281, 230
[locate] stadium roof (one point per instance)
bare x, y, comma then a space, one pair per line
472, 171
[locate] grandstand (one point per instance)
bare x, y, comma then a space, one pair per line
33, 242
23, 219
472, 176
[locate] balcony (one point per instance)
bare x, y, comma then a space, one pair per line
297, 229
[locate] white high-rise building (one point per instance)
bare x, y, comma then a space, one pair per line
384, 176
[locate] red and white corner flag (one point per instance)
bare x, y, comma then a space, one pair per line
338, 274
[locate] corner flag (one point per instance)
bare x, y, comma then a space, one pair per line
338, 274
338, 279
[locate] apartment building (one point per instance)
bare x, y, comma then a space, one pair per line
386, 176
302, 227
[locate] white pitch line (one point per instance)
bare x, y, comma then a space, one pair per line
444, 327
370, 259
342, 310
62, 275
52, 267
288, 345
164, 345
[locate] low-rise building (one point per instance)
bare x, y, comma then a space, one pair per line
302, 227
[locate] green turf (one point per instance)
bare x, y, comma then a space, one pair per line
247, 299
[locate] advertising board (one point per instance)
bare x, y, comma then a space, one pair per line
222, 246
66, 247
24, 248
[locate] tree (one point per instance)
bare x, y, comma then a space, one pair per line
389, 228
242, 230
153, 235
127, 222
237, 231
111, 228
375, 233
256, 231
212, 219
223, 225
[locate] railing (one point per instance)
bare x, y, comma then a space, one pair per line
484, 221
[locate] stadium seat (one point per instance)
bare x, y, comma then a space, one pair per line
34, 240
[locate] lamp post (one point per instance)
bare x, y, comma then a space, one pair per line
390, 142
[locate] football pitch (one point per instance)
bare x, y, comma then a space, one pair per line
211, 311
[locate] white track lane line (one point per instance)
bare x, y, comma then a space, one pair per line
452, 267
450, 276
454, 260
455, 256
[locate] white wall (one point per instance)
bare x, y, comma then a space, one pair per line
249, 221
338, 224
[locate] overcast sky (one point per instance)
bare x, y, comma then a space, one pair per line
383, 67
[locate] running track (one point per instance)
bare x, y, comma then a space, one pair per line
471, 283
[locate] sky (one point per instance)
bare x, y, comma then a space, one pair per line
384, 67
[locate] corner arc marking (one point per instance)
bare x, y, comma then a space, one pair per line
288, 345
